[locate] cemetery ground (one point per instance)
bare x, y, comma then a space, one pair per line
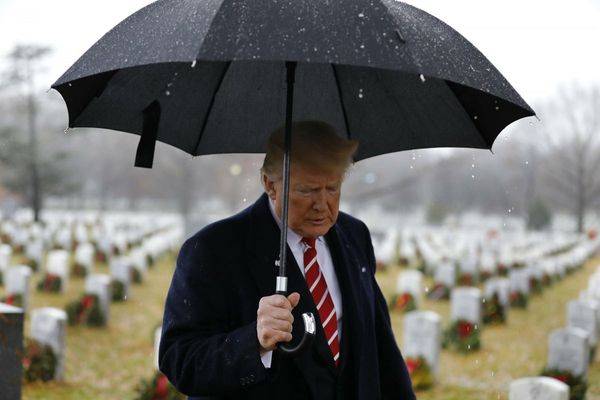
108, 363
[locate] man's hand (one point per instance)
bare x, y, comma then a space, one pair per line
274, 320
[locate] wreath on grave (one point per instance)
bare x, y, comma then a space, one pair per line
39, 361
502, 270
466, 279
518, 299
1, 278
50, 283
79, 270
403, 302
150, 260
118, 290
13, 300
420, 372
546, 280
439, 291
157, 388
101, 256
493, 310
135, 275
535, 285
462, 335
86, 311
577, 384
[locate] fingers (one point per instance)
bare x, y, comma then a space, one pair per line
274, 320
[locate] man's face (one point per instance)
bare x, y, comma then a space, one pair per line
313, 202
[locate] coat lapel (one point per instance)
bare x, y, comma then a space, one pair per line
262, 244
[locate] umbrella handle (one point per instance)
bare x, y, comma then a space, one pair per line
310, 328
307, 339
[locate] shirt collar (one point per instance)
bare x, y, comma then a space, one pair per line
292, 236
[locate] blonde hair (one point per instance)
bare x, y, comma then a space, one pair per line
314, 143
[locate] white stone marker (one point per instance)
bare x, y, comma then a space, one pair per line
99, 285
57, 263
119, 270
500, 287
410, 282
16, 281
48, 326
538, 388
445, 273
569, 350
84, 256
465, 304
423, 337
5, 255
583, 315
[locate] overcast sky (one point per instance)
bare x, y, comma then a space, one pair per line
536, 44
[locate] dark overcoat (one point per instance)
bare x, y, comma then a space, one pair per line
209, 345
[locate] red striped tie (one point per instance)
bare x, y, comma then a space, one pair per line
318, 288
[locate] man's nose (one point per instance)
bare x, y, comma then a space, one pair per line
319, 200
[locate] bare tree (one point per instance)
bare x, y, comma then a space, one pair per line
25, 60
571, 124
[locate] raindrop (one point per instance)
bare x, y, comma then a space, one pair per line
244, 200
70, 84
361, 15
362, 46
422, 77
473, 176
235, 169
497, 108
168, 93
360, 93
67, 130
526, 162
193, 63
475, 117
509, 210
411, 167
472, 165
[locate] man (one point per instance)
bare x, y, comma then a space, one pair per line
222, 322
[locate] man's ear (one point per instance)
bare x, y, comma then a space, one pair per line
269, 186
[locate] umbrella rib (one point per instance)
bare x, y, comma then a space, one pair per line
339, 89
210, 106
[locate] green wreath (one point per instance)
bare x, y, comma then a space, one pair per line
118, 290
493, 311
50, 283
13, 300
404, 302
420, 372
39, 361
463, 336
157, 388
86, 311
518, 299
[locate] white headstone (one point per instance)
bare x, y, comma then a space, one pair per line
538, 388
519, 280
48, 326
445, 274
465, 304
84, 256
423, 337
410, 282
57, 263
99, 284
583, 315
34, 250
5, 255
119, 270
16, 281
569, 350
500, 287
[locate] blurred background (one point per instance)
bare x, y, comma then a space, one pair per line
537, 191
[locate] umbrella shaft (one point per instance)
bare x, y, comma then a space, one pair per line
287, 155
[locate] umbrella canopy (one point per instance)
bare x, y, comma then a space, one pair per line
209, 76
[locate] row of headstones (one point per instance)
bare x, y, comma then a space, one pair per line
122, 268
571, 349
487, 263
532, 277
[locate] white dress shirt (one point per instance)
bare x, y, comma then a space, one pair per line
295, 243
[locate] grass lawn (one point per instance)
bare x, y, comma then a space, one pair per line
108, 363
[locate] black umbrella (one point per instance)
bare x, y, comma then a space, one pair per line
217, 76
